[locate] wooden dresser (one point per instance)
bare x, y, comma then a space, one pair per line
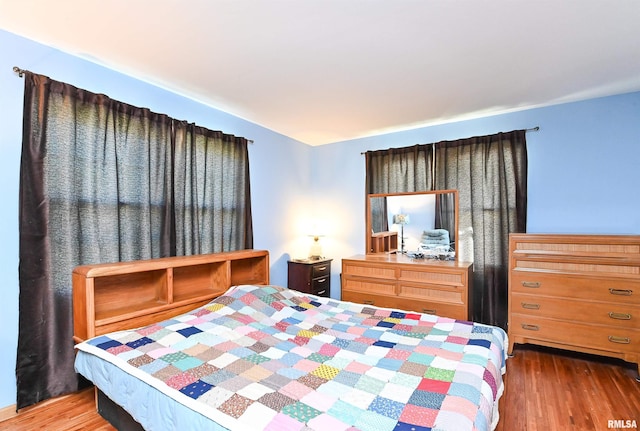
397, 281
114, 296
576, 292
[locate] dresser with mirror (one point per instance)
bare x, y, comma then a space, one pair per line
411, 261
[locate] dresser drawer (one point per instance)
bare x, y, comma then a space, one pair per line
576, 287
366, 285
428, 307
426, 292
440, 276
368, 270
575, 334
603, 313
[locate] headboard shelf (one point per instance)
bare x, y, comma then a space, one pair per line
124, 295
201, 279
247, 271
128, 311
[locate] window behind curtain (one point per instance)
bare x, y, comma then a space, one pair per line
490, 174
103, 181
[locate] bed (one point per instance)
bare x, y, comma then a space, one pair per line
265, 357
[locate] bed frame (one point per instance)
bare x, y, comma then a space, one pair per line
114, 414
124, 295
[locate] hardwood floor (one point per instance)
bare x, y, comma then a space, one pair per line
75, 412
545, 390
549, 389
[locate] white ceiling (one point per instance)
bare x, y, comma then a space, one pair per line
322, 71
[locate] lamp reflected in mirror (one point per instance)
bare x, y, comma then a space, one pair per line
401, 219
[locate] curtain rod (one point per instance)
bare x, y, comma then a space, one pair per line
532, 129
21, 73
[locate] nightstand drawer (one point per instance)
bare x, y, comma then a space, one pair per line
321, 270
320, 286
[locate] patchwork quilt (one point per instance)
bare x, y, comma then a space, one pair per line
265, 357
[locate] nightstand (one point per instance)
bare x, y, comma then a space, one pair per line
310, 276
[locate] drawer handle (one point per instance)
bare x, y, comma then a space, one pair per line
322, 268
530, 327
322, 280
619, 340
529, 306
321, 292
368, 302
621, 292
620, 316
429, 311
531, 284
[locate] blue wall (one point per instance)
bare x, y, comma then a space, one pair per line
583, 170
584, 167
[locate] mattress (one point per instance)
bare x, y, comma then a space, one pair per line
147, 405
265, 357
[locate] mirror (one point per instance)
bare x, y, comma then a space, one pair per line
415, 223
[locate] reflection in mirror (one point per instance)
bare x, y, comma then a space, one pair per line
413, 223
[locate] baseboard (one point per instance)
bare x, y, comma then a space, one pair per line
8, 412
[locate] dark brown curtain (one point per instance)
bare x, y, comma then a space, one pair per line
408, 169
211, 173
490, 174
379, 219
103, 181
394, 170
445, 215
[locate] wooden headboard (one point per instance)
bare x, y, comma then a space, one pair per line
124, 295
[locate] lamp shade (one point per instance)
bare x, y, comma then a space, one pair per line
315, 252
401, 219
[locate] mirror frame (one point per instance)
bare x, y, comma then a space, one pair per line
368, 229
